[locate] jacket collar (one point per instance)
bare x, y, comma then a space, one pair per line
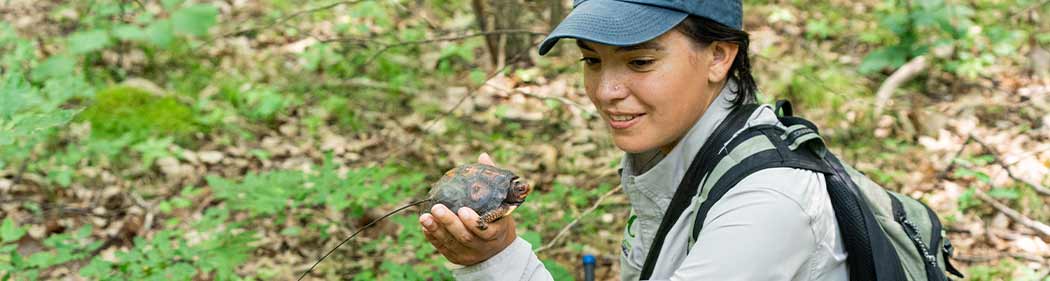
652, 178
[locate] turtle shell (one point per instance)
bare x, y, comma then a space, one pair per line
480, 187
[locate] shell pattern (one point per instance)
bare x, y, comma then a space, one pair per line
478, 186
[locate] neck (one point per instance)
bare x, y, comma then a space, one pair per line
716, 89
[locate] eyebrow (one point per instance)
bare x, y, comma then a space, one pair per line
650, 45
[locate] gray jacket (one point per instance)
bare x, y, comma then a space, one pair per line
776, 224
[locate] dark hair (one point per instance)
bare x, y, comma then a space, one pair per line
704, 31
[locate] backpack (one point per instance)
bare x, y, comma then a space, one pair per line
887, 235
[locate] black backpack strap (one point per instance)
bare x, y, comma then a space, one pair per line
871, 254
783, 108
781, 156
700, 166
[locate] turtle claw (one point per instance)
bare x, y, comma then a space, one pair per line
481, 225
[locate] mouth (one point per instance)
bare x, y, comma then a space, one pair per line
624, 120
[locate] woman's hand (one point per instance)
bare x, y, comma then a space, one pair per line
458, 237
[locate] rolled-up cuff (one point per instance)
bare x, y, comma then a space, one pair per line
510, 264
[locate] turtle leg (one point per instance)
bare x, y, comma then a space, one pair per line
494, 215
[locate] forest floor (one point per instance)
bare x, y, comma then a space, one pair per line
976, 149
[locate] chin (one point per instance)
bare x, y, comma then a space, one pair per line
632, 145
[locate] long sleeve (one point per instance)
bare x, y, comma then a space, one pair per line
516, 262
760, 234
751, 234
765, 230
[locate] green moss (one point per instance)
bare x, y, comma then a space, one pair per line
124, 110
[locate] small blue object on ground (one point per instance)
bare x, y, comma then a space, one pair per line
588, 267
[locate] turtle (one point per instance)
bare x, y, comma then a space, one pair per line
490, 191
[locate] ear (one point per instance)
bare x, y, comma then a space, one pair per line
722, 56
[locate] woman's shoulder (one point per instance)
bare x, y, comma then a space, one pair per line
803, 187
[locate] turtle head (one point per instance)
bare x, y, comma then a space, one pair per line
518, 191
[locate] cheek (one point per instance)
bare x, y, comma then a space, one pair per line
663, 93
675, 99
590, 82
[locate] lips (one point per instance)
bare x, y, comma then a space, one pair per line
624, 120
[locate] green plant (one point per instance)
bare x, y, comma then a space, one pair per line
1006, 269
126, 110
28, 113
147, 27
278, 194
256, 103
970, 37
915, 29
170, 255
60, 249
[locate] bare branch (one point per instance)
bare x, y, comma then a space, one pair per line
902, 75
543, 97
976, 259
1042, 229
951, 164
1039, 188
387, 47
291, 16
369, 83
565, 229
448, 112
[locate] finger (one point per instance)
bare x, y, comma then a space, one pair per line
442, 239
439, 243
470, 220
484, 158
447, 246
452, 224
428, 223
440, 215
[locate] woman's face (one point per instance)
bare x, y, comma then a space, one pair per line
652, 93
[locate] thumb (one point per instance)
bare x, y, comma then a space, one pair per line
484, 158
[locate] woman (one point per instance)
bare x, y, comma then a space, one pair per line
664, 74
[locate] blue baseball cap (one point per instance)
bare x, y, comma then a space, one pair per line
631, 22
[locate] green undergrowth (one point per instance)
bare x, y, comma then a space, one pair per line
221, 245
59, 249
125, 110
360, 87
224, 237
1006, 269
295, 195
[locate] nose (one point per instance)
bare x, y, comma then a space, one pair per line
611, 87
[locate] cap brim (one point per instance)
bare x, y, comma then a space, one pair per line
613, 23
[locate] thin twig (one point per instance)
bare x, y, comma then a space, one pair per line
542, 97
1039, 188
951, 162
1021, 13
448, 112
369, 225
567, 227
975, 259
1042, 229
902, 75
291, 16
21, 170
387, 47
280, 20
369, 83
1027, 154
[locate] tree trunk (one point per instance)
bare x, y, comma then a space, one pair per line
557, 13
503, 48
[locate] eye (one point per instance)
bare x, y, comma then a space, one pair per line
590, 61
641, 62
